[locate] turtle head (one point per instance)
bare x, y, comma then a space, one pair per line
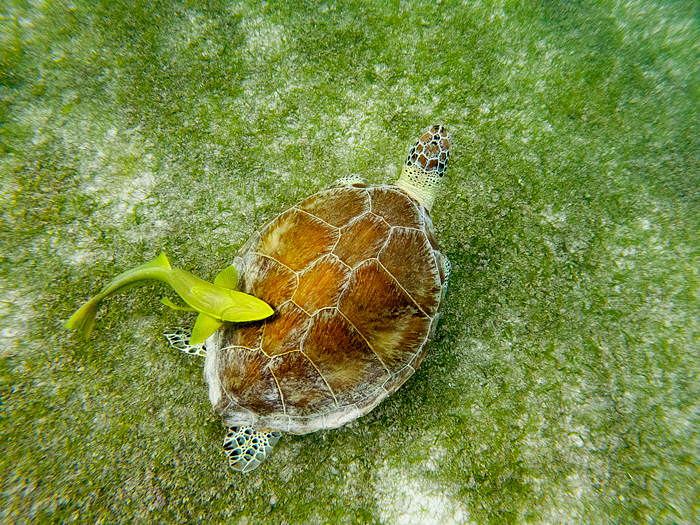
426, 165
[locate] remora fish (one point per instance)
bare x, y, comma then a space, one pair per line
216, 303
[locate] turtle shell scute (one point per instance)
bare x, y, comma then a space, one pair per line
296, 239
409, 259
361, 239
396, 207
336, 206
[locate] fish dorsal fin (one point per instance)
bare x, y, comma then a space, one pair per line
227, 278
204, 326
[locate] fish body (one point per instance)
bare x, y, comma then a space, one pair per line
216, 302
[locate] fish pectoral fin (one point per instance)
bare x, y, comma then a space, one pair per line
227, 278
169, 303
204, 326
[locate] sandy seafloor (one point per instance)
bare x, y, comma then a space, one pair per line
563, 385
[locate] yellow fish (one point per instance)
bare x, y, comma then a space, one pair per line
216, 303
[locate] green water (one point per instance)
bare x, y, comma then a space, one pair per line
563, 385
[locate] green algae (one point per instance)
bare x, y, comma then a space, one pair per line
563, 382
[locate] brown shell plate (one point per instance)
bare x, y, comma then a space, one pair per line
356, 280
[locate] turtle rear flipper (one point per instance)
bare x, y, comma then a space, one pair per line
246, 448
351, 180
179, 338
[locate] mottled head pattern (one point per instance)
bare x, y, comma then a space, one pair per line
426, 165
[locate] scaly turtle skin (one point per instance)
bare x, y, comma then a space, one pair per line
356, 279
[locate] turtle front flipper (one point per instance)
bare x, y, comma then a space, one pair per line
180, 338
350, 180
247, 448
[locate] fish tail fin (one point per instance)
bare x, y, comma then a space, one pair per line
84, 319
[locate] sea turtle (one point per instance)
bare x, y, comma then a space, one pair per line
355, 278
